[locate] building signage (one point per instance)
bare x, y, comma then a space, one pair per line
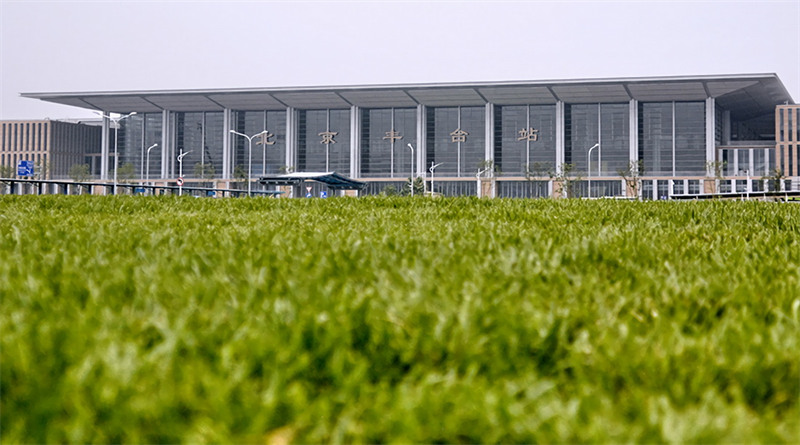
459, 135
528, 134
393, 135
327, 137
25, 168
264, 139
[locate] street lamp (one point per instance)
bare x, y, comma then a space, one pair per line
589, 165
116, 140
412, 168
147, 165
747, 186
250, 154
433, 167
180, 170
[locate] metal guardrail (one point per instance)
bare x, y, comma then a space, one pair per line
13, 186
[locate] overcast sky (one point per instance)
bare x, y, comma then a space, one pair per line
71, 46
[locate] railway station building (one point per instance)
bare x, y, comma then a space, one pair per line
681, 135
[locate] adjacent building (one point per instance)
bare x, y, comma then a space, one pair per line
680, 135
53, 146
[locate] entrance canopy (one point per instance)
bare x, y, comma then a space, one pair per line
332, 179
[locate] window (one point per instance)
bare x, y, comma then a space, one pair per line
324, 141
385, 134
456, 139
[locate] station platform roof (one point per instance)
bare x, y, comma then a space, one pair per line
332, 179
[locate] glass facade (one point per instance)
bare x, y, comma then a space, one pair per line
385, 134
269, 156
604, 124
525, 139
323, 141
201, 135
672, 138
456, 139
136, 134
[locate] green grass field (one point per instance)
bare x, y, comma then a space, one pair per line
166, 320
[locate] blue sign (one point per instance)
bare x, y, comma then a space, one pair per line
308, 195
25, 168
323, 194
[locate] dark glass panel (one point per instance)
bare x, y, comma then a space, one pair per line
581, 128
690, 144
313, 154
152, 135
655, 138
214, 133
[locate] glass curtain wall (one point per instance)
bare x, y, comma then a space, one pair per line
201, 135
690, 139
136, 134
323, 141
385, 134
589, 124
664, 154
269, 157
525, 139
456, 139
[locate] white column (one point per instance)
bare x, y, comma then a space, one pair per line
489, 153
166, 134
422, 151
559, 135
710, 140
355, 142
227, 115
105, 140
634, 131
291, 138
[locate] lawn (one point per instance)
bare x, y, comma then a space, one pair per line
453, 320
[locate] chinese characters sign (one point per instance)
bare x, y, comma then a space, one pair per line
393, 136
264, 139
327, 137
458, 136
528, 134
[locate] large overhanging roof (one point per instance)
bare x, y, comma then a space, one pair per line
745, 95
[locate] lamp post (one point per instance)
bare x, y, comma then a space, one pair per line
147, 164
116, 140
432, 169
747, 185
250, 154
478, 179
180, 170
412, 168
589, 165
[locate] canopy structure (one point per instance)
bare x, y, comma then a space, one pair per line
332, 179
745, 95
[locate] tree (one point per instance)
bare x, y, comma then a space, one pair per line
633, 176
7, 171
419, 187
566, 180
717, 168
204, 171
536, 170
41, 169
390, 190
79, 173
240, 175
126, 172
775, 180
489, 165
